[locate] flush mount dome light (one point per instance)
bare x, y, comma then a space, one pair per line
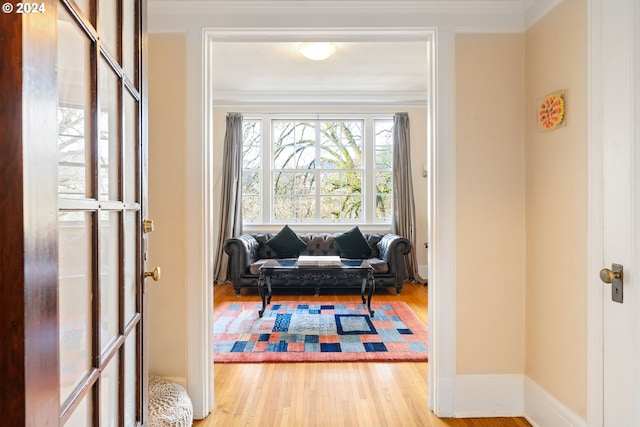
317, 51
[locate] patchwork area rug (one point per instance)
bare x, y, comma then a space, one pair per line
295, 331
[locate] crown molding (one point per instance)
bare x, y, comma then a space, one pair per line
460, 15
316, 98
534, 10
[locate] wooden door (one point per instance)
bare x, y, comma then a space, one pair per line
100, 213
72, 208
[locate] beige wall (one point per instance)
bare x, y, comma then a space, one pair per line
490, 204
521, 204
167, 160
556, 56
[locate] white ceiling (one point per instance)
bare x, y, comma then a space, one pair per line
258, 69
258, 72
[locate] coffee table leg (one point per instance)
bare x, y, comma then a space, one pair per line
268, 279
261, 292
372, 287
365, 280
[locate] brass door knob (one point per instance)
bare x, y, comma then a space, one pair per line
607, 275
155, 274
147, 226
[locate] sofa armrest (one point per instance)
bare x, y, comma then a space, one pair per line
392, 248
243, 251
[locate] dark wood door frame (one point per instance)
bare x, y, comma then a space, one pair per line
28, 219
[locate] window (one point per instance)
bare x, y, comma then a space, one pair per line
317, 170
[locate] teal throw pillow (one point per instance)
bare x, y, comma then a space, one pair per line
286, 243
352, 244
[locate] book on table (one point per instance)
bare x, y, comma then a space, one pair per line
319, 261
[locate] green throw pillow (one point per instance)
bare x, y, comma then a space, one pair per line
352, 244
286, 243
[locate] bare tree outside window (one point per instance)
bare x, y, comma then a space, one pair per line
318, 170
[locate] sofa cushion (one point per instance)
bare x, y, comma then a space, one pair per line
286, 243
353, 244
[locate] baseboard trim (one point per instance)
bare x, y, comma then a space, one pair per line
489, 396
542, 409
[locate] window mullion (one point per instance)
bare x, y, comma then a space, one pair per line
267, 166
317, 171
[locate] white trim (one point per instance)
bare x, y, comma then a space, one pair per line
198, 286
460, 15
473, 7
542, 409
536, 9
489, 396
595, 256
442, 230
320, 98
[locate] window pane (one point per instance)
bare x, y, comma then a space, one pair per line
74, 298
331, 182
306, 207
305, 183
74, 108
283, 207
330, 207
108, 142
384, 206
251, 182
250, 208
352, 182
109, 386
283, 183
109, 277
384, 182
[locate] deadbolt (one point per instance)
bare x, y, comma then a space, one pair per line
155, 274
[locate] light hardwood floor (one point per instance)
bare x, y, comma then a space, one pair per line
330, 394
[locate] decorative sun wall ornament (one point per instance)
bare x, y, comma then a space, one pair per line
551, 111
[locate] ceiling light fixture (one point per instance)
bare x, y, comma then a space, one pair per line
317, 51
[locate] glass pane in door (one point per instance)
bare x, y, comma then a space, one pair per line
75, 249
130, 147
74, 108
83, 414
131, 385
129, 40
108, 27
109, 387
109, 277
130, 266
109, 135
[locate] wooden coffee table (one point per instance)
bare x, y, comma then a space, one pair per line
289, 269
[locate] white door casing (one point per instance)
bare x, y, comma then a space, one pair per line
614, 159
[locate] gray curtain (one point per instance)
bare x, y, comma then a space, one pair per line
404, 210
231, 198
